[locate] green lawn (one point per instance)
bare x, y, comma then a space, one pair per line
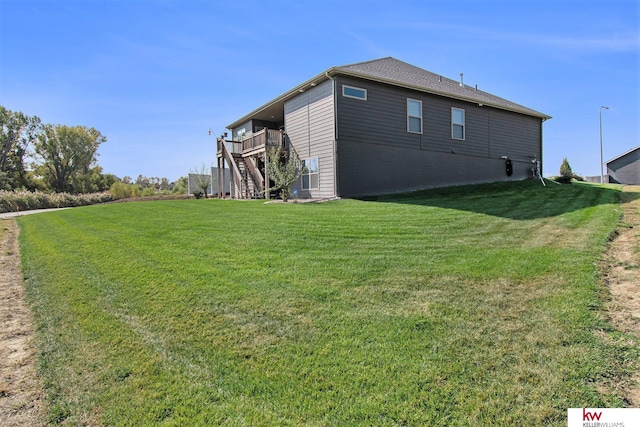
476, 305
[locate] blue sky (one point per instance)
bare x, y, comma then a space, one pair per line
154, 76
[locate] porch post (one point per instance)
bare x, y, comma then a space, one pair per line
266, 172
220, 179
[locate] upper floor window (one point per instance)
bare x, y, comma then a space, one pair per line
354, 92
414, 116
240, 133
310, 174
457, 123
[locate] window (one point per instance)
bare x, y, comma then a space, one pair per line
354, 92
457, 123
414, 116
240, 134
310, 174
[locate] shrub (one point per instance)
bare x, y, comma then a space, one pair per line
180, 186
12, 201
120, 190
149, 191
284, 169
566, 174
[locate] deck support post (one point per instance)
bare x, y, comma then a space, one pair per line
266, 172
220, 183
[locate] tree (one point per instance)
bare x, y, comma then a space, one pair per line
142, 181
66, 155
18, 132
164, 184
201, 179
98, 181
566, 174
180, 186
284, 168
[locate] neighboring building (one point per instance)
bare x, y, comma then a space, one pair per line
195, 182
384, 126
625, 169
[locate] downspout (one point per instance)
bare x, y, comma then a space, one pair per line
335, 134
541, 141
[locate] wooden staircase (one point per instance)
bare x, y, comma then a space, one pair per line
247, 162
247, 182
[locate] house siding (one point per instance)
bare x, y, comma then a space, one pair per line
369, 169
515, 135
309, 125
625, 169
247, 126
377, 155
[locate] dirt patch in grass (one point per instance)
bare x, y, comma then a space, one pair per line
622, 275
21, 394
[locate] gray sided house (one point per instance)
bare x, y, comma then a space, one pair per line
625, 169
384, 126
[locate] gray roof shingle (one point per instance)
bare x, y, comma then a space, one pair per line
396, 72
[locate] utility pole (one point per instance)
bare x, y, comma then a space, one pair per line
601, 160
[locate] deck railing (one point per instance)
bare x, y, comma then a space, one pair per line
236, 183
234, 147
262, 139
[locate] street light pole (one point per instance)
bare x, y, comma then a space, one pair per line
601, 160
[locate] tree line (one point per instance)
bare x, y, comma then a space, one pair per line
59, 158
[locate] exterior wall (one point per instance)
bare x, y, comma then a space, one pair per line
369, 169
377, 155
247, 126
252, 126
257, 125
625, 169
309, 125
226, 177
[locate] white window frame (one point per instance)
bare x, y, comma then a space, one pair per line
353, 96
308, 174
463, 124
414, 117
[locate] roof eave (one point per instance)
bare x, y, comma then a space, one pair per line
337, 70
284, 97
623, 154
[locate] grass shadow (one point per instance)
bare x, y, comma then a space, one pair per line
518, 200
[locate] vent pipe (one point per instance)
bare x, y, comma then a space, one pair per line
461, 83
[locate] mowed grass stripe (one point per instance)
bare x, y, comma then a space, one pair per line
456, 306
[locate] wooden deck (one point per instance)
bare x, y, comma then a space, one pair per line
255, 143
243, 157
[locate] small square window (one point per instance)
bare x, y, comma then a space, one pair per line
354, 92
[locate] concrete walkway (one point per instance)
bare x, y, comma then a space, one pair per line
7, 215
